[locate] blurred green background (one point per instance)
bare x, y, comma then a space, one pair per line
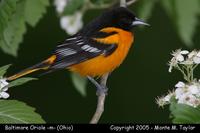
132, 88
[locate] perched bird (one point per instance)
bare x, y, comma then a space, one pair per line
98, 49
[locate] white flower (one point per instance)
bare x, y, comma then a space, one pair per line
4, 95
196, 57
3, 83
179, 93
177, 58
168, 97
180, 84
193, 89
165, 99
60, 5
160, 101
3, 89
184, 52
178, 54
180, 89
196, 60
72, 24
188, 93
189, 99
182, 99
198, 54
192, 54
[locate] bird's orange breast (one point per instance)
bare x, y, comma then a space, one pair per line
102, 64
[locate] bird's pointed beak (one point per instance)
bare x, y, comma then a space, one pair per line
138, 21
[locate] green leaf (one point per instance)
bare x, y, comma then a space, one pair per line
20, 81
45, 2
73, 6
184, 114
79, 83
13, 34
188, 19
185, 17
170, 8
34, 10
12, 31
145, 8
4, 69
16, 112
7, 7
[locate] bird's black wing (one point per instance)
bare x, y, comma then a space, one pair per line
77, 49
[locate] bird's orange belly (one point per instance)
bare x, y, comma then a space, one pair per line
101, 64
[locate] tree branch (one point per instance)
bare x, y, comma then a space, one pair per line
130, 2
123, 3
100, 101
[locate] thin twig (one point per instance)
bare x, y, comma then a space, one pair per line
99, 110
130, 2
123, 3
100, 101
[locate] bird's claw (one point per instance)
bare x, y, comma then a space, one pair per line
102, 91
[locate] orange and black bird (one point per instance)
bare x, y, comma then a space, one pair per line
97, 49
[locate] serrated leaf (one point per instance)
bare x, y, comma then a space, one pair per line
20, 81
79, 83
34, 10
170, 8
73, 6
13, 33
188, 19
16, 112
45, 2
3, 69
184, 114
145, 8
7, 7
185, 17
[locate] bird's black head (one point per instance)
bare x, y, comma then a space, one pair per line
122, 18
119, 17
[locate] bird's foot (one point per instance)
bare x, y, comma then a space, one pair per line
100, 88
103, 90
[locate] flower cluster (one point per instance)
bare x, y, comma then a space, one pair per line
185, 93
70, 23
185, 62
3, 88
184, 57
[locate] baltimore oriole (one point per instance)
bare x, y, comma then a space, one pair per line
99, 48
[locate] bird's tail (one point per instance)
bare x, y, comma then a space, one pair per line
40, 66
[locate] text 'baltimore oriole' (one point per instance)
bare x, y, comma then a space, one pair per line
99, 48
